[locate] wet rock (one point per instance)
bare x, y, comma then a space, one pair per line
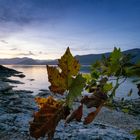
5, 86
25, 91
19, 75
7, 72
12, 81
31, 79
44, 93
14, 97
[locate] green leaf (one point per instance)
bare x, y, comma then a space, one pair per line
76, 88
97, 64
107, 87
130, 92
115, 55
133, 71
137, 134
115, 60
95, 74
125, 110
87, 76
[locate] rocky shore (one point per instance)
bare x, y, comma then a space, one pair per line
7, 72
17, 107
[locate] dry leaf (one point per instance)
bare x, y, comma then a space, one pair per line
76, 114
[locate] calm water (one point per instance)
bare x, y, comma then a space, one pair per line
39, 74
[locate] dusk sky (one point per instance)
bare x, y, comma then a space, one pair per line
43, 29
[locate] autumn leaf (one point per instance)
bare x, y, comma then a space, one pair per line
47, 118
76, 114
94, 100
68, 64
57, 80
61, 77
49, 101
91, 116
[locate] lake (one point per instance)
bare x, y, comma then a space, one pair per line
37, 78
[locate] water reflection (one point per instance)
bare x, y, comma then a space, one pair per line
37, 78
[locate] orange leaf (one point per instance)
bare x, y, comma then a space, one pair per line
76, 114
47, 118
91, 116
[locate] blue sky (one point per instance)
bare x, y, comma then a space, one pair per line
43, 29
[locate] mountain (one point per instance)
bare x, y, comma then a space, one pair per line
83, 59
135, 54
91, 58
13, 60
26, 61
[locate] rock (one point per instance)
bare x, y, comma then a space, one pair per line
17, 108
25, 91
31, 79
7, 72
44, 93
5, 86
14, 97
19, 75
11, 81
95, 131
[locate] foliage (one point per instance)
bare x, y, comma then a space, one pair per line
66, 80
116, 67
47, 118
137, 133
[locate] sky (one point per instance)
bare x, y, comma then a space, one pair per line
43, 29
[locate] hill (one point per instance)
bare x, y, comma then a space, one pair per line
83, 59
91, 58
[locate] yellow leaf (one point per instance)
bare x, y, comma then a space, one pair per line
57, 80
47, 118
49, 100
68, 64
61, 77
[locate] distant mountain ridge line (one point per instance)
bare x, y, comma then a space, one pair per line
83, 59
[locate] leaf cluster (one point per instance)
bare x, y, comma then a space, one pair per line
116, 67
66, 80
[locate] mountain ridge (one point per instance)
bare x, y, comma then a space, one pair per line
83, 59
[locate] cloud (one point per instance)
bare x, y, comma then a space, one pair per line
26, 11
3, 41
27, 54
14, 49
43, 53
